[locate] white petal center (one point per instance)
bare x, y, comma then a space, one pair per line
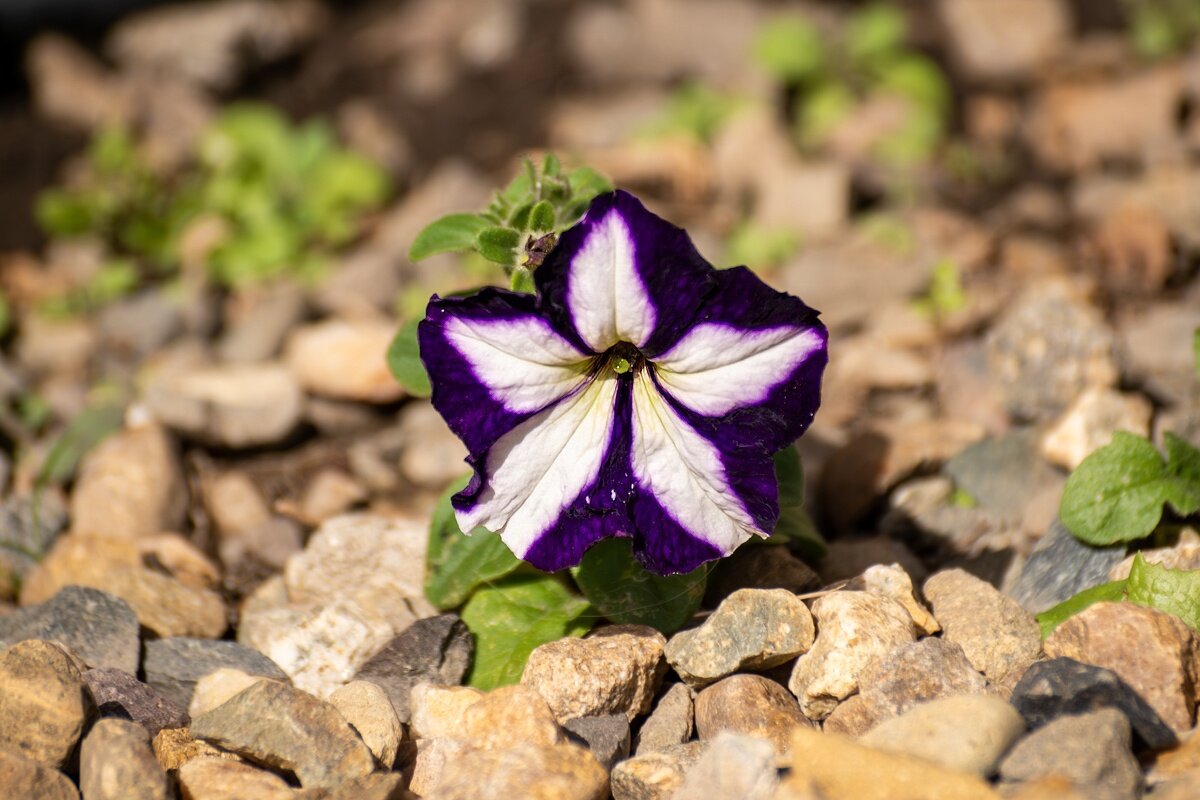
605, 295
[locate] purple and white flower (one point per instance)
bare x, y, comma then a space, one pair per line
640, 393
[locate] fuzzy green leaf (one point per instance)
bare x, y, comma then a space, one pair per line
795, 524
1176, 591
457, 564
541, 218
498, 244
404, 360
448, 234
1051, 618
624, 591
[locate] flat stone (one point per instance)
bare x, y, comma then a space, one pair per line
1060, 567
431, 456
617, 669
538, 772
1089, 423
1006, 476
1002, 40
963, 733
764, 567
99, 628
891, 580
434, 758
436, 711
218, 779
172, 666
1001, 639
834, 767
218, 686
510, 714
670, 723
607, 737
1152, 651
1060, 686
853, 629
367, 708
43, 704
174, 747
24, 777
116, 763
273, 724
733, 767
118, 694
752, 629
750, 705
1091, 750
258, 319
358, 347
656, 775
435, 650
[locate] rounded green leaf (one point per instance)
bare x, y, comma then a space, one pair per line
498, 244
623, 591
1175, 591
404, 360
1116, 493
455, 563
448, 234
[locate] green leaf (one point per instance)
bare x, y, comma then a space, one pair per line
1051, 618
448, 234
1183, 465
90, 427
513, 616
587, 184
498, 244
821, 111
522, 281
795, 524
1176, 591
541, 218
457, 564
623, 590
874, 34
790, 48
404, 360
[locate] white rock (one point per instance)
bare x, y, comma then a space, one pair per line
1090, 421
437, 711
369, 711
344, 359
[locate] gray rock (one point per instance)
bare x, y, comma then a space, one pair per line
733, 767
657, 775
1003, 474
670, 723
118, 694
172, 666
607, 737
435, 650
1061, 566
96, 626
140, 324
27, 530
117, 763
282, 727
1090, 750
266, 315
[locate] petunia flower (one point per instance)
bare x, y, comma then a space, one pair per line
640, 393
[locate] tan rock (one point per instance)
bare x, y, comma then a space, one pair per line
536, 772
329, 493
1185, 554
510, 714
750, 705
216, 687
43, 702
359, 348
657, 775
437, 711
670, 723
24, 777
433, 761
116, 763
182, 559
174, 747
1005, 39
235, 503
369, 711
891, 580
1089, 424
218, 779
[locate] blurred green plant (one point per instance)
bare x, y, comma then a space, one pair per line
1162, 28
696, 110
765, 248
945, 294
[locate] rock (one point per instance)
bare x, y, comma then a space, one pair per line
24, 777
431, 456
29, 526
358, 347
257, 321
963, 733
1000, 638
607, 737
538, 772
1184, 787
140, 324
733, 767
847, 559
254, 555
1152, 651
1088, 424
285, 728
1184, 554
897, 681
434, 759
1090, 750
1180, 759
1006, 476
172, 666
218, 779
615, 670
436, 650
43, 704
331, 492
890, 580
812, 198
1060, 567
70, 86
218, 686
174, 747
995, 40
436, 711
235, 503
750, 705
97, 627
130, 485
656, 775
118, 694
229, 405
752, 629
854, 628
670, 723
116, 763
376, 786
834, 767
181, 559
766, 567
510, 714
1060, 686
367, 708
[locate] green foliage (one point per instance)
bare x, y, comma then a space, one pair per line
795, 525
1117, 494
790, 48
1176, 591
513, 616
945, 295
91, 426
450, 233
1053, 617
456, 564
694, 110
760, 247
623, 591
1162, 28
404, 361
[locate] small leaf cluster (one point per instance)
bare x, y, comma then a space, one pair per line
695, 110
1162, 28
831, 75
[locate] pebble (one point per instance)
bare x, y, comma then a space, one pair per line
358, 347
526, 770
219, 779
258, 319
752, 629
908, 675
431, 456
117, 763
1089, 422
285, 728
846, 559
43, 705
184, 561
1184, 554
1184, 787
433, 759
367, 708
853, 628
1060, 567
130, 485
656, 775
174, 665
1152, 651
376, 786
117, 693
765, 567
1180, 759
174, 747
235, 503
510, 714
97, 627
28, 527
23, 777
436, 711
218, 686
891, 580
1060, 686
1001, 639
750, 705
434, 650
331, 492
616, 670
607, 737
1007, 477
963, 733
834, 767
1090, 750
732, 767
670, 723
1005, 39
